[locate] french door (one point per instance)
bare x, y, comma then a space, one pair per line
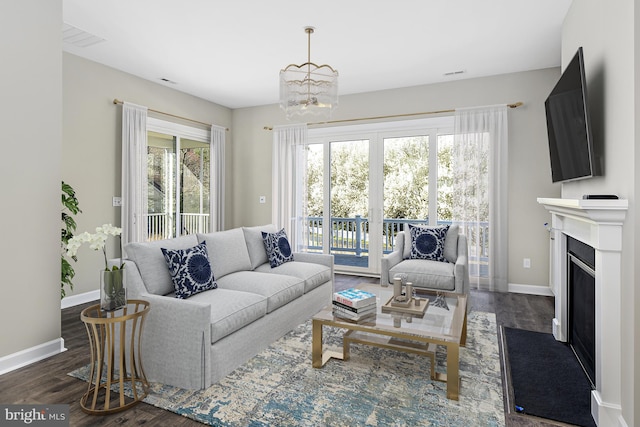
364, 185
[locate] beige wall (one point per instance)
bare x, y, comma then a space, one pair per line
606, 31
91, 149
30, 119
529, 176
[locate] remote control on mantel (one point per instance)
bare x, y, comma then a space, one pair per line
599, 197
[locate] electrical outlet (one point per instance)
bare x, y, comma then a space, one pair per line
526, 263
117, 201
263, 199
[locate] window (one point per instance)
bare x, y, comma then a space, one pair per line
178, 180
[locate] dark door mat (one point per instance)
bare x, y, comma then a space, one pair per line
547, 379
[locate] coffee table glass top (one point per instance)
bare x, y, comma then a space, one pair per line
438, 323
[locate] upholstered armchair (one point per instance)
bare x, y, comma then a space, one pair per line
450, 274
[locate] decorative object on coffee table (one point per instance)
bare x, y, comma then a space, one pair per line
440, 301
354, 304
416, 307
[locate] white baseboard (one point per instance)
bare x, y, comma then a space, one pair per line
530, 289
31, 355
74, 300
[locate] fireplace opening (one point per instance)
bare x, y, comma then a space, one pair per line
581, 304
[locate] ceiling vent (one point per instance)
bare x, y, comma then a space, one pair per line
77, 37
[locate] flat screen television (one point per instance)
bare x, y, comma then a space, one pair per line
568, 125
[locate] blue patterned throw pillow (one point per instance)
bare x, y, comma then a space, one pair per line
278, 248
428, 242
190, 270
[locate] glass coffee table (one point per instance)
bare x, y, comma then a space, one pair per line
402, 332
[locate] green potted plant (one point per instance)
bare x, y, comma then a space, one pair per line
70, 207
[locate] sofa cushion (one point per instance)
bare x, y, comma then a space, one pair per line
426, 274
451, 244
255, 244
190, 270
313, 275
227, 252
151, 263
278, 248
278, 289
231, 310
428, 242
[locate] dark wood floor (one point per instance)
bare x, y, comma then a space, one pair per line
47, 382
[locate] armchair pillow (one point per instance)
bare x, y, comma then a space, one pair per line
450, 244
190, 270
428, 242
278, 248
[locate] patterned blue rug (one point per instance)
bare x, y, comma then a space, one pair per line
376, 387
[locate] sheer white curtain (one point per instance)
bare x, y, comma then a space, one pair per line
288, 181
217, 171
134, 173
480, 188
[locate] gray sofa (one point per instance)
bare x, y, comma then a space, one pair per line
451, 276
193, 343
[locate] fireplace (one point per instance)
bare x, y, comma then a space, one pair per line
598, 224
581, 300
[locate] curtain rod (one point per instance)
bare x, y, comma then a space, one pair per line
118, 102
514, 105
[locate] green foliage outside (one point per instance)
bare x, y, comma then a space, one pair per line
405, 174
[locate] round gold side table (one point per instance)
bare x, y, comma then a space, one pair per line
116, 363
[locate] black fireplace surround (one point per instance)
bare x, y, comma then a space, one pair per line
581, 304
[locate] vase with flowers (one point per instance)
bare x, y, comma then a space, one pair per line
113, 289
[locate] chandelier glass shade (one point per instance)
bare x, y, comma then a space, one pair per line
308, 89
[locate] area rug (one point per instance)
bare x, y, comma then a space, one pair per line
376, 387
547, 379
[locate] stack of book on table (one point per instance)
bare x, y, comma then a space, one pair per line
354, 304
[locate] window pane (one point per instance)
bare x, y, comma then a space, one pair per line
445, 179
194, 186
406, 185
161, 185
350, 202
315, 196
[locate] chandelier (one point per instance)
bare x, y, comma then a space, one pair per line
308, 88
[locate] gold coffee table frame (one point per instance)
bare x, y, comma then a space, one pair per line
104, 328
401, 332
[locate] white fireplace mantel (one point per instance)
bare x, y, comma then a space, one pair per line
597, 223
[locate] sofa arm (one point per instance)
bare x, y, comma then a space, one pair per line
323, 259
135, 285
176, 342
387, 263
461, 269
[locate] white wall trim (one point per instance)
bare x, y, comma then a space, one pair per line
622, 422
543, 290
31, 355
74, 300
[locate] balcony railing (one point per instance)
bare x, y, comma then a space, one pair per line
351, 235
162, 225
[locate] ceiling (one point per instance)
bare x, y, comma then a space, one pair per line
230, 52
